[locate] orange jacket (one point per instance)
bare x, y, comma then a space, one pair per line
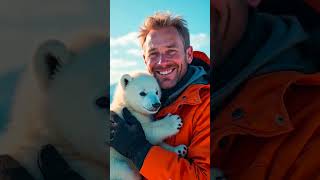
271, 129
193, 106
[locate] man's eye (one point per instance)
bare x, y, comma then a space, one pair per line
143, 94
172, 52
153, 55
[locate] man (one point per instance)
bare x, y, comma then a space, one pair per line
266, 95
168, 55
185, 91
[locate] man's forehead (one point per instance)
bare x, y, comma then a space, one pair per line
149, 45
166, 37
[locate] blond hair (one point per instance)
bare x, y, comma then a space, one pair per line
162, 20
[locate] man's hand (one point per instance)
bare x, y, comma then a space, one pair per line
51, 164
12, 169
54, 167
128, 138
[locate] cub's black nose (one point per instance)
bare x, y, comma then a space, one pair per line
156, 105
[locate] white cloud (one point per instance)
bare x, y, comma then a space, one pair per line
122, 63
114, 52
199, 41
126, 40
116, 74
135, 52
126, 55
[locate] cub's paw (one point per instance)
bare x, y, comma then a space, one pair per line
176, 121
181, 150
171, 125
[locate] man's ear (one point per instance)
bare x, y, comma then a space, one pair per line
125, 79
189, 53
48, 60
254, 3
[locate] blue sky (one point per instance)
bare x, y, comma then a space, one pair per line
127, 15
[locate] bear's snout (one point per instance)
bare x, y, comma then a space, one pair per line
156, 105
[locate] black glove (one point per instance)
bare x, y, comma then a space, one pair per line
51, 164
54, 167
128, 138
11, 169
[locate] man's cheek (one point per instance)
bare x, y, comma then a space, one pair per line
149, 67
151, 71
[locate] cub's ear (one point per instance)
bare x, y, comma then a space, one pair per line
49, 59
125, 79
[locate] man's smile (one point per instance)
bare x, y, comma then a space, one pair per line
166, 71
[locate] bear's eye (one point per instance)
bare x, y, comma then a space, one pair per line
102, 102
157, 92
143, 93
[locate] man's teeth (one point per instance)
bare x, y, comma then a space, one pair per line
165, 72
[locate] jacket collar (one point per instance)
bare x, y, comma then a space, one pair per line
190, 96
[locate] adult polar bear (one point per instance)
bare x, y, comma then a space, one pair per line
140, 93
60, 100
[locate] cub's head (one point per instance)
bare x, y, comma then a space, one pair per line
141, 92
74, 81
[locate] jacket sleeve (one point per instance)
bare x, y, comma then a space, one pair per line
162, 164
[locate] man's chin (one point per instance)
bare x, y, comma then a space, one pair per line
167, 85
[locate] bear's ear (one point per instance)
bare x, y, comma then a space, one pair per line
125, 79
48, 61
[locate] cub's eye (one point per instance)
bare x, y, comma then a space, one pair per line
102, 102
157, 92
143, 94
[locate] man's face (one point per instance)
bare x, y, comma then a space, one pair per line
165, 56
229, 23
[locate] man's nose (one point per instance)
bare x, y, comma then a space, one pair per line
162, 59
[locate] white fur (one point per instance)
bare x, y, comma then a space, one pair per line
128, 95
61, 111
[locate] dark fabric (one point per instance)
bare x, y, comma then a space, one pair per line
255, 36
307, 16
311, 48
128, 138
10, 169
201, 63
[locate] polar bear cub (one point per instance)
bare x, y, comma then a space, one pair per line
140, 93
62, 100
